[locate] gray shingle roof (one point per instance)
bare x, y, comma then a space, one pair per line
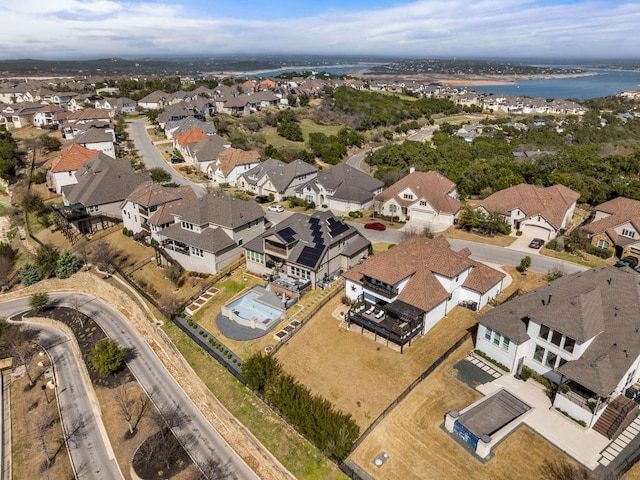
212, 240
208, 149
280, 174
94, 135
347, 183
219, 209
603, 302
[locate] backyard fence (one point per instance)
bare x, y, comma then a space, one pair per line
408, 390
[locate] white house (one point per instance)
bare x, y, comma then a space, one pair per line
536, 211
581, 332
276, 177
232, 162
403, 292
97, 139
66, 164
424, 198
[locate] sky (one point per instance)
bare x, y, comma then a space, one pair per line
86, 29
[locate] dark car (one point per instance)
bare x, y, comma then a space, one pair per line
632, 261
375, 226
262, 198
177, 160
536, 243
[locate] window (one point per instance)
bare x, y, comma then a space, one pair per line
556, 338
255, 256
603, 244
240, 242
505, 343
423, 203
628, 233
198, 252
393, 208
551, 360
569, 343
487, 333
544, 332
496, 338
538, 355
408, 196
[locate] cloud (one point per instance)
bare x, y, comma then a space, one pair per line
424, 28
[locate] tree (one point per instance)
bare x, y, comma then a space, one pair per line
413, 231
29, 274
67, 264
291, 131
259, 370
50, 143
39, 301
8, 156
33, 203
102, 254
6, 267
47, 259
174, 274
525, 263
17, 342
159, 175
132, 407
563, 470
107, 357
303, 100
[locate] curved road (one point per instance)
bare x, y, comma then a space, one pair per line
201, 440
152, 157
89, 448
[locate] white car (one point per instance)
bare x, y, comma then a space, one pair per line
275, 208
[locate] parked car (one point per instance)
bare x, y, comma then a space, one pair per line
177, 160
262, 198
275, 208
536, 243
632, 261
375, 226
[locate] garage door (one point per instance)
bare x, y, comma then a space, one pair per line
536, 232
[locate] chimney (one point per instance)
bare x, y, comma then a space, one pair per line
610, 280
412, 169
549, 300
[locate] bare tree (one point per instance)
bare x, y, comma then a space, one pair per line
214, 470
77, 315
102, 254
6, 267
18, 342
413, 231
43, 424
132, 407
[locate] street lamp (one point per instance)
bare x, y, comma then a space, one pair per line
44, 389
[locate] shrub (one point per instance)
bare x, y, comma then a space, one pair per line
526, 373
29, 274
67, 264
107, 357
39, 177
491, 360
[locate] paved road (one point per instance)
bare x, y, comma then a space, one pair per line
152, 157
92, 457
201, 440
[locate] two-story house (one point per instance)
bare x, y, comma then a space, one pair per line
204, 152
534, 210
616, 227
65, 165
425, 198
342, 189
309, 249
403, 292
209, 233
231, 162
150, 207
580, 331
276, 177
97, 139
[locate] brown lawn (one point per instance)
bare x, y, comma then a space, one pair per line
633, 474
418, 448
459, 234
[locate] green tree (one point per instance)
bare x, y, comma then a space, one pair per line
33, 203
303, 100
107, 357
525, 263
159, 175
50, 143
291, 131
272, 152
47, 260
29, 274
9, 159
39, 301
67, 264
259, 370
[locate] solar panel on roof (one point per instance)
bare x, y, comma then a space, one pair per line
336, 227
287, 234
310, 256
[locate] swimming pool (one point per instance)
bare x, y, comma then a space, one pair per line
258, 308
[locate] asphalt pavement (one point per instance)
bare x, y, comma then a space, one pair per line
89, 448
198, 436
152, 157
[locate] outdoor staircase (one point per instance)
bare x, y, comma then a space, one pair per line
616, 417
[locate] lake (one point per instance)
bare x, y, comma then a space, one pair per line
602, 84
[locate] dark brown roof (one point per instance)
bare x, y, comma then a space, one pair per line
620, 210
432, 186
600, 304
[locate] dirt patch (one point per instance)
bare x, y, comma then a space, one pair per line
419, 448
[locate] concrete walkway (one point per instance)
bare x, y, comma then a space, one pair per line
581, 444
522, 245
620, 443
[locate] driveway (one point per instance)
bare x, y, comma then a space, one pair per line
200, 439
151, 156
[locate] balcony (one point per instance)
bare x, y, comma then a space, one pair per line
581, 397
280, 251
380, 290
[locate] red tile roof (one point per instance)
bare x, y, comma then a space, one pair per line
190, 136
72, 158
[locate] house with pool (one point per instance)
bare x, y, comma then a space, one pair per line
304, 252
403, 292
582, 332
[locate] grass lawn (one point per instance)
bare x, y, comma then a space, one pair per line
300, 457
459, 234
581, 259
418, 448
307, 125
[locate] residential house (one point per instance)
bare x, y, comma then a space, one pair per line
207, 234
238, 106
581, 332
154, 101
181, 141
23, 113
116, 105
204, 152
97, 139
103, 183
424, 198
231, 162
150, 207
62, 98
47, 116
276, 177
173, 113
74, 122
536, 211
341, 188
403, 292
65, 165
302, 249
616, 227
13, 94
176, 127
